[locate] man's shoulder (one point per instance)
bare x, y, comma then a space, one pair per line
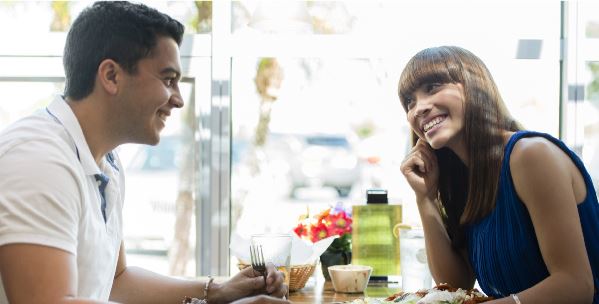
34, 134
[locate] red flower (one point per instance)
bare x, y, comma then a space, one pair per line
301, 230
332, 221
318, 232
340, 224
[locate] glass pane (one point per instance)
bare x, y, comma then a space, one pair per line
309, 132
195, 15
590, 19
309, 17
19, 99
590, 150
39, 16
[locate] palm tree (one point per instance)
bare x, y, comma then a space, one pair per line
61, 20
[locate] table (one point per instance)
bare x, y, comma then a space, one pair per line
319, 291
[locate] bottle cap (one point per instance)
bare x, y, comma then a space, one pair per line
376, 196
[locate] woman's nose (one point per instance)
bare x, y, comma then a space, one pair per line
422, 108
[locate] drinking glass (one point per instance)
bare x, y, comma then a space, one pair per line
415, 274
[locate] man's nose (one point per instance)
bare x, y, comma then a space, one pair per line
177, 101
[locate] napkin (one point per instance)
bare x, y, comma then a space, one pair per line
302, 251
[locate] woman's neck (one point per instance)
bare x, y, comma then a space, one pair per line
460, 147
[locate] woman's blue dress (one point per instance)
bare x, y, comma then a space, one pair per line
503, 248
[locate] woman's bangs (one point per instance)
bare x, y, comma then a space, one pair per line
426, 67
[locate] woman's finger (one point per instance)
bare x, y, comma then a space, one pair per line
427, 153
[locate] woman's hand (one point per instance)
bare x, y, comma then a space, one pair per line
249, 282
422, 171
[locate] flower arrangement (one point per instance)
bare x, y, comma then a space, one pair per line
332, 221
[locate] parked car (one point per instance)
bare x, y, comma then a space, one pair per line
322, 160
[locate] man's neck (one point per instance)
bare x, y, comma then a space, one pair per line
92, 115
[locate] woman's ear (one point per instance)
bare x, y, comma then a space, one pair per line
107, 77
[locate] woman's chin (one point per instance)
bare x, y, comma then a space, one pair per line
436, 143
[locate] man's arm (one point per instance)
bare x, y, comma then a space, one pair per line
137, 285
39, 274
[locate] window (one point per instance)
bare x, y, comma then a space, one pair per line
314, 108
294, 107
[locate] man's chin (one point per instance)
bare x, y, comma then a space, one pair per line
152, 140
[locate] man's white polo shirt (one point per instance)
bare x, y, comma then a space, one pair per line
49, 196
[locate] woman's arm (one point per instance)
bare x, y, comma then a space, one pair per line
446, 264
550, 186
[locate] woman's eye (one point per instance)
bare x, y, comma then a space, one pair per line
409, 103
432, 86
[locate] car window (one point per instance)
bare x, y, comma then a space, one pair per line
331, 141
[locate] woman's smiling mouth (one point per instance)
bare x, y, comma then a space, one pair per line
432, 123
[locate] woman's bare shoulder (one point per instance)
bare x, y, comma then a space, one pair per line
531, 151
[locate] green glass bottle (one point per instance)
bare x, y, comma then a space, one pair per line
373, 242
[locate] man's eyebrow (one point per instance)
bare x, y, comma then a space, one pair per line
170, 70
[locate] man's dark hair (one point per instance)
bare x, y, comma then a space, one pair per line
118, 30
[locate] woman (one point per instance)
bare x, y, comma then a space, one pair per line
515, 210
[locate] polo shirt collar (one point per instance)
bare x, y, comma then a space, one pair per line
65, 116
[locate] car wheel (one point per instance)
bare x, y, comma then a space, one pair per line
343, 191
292, 192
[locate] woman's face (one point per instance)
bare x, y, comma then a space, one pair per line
436, 114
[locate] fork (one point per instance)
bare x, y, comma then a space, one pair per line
257, 260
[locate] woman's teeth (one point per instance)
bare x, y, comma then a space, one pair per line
429, 125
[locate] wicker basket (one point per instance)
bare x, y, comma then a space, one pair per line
298, 275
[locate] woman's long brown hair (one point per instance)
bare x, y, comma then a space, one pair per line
467, 192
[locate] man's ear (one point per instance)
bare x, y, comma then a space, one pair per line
109, 75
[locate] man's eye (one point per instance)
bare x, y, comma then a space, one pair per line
169, 81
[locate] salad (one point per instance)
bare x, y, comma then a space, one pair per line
440, 294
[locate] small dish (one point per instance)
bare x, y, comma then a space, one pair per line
350, 278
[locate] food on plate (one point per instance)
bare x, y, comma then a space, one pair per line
440, 294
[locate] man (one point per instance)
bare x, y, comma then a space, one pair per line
61, 186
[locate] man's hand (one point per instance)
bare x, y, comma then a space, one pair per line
249, 283
261, 299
